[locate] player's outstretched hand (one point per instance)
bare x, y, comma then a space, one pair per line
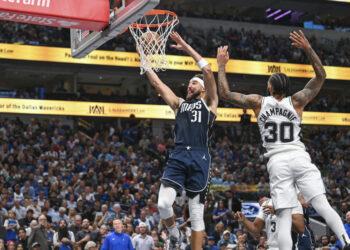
299, 40
240, 216
222, 56
180, 43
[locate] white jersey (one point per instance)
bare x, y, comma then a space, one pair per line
279, 125
271, 223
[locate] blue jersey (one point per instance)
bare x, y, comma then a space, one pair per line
193, 123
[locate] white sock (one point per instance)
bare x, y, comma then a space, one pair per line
173, 231
284, 226
322, 207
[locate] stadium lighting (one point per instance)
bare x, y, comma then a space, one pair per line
284, 14
344, 1
268, 10
274, 13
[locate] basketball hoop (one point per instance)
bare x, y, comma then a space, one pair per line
151, 33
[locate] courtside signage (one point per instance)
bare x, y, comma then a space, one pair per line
124, 110
128, 59
77, 14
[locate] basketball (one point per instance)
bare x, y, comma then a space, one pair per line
150, 40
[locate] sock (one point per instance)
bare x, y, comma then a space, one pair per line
284, 224
322, 207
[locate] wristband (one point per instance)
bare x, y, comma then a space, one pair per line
202, 63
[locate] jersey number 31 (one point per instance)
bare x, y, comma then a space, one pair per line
273, 129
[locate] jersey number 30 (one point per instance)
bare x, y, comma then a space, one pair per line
274, 128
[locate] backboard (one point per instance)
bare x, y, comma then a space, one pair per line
125, 12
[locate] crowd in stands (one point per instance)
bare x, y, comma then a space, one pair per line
244, 44
75, 184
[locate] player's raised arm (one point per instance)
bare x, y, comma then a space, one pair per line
247, 101
211, 96
303, 97
165, 92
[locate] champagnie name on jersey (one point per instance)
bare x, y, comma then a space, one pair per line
190, 106
277, 111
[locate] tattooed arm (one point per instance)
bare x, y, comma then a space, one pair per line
247, 101
303, 97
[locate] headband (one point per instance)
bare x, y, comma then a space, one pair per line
200, 81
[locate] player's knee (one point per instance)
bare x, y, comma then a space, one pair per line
165, 207
196, 214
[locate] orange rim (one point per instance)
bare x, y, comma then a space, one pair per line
155, 25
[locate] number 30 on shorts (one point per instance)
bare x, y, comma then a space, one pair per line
273, 128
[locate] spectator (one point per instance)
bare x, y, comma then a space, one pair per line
22, 238
18, 209
211, 244
220, 214
347, 227
63, 239
117, 239
84, 235
90, 246
11, 225
76, 227
25, 222
143, 241
28, 189
39, 235
29, 229
60, 216
35, 208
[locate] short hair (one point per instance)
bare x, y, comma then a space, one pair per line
200, 76
280, 83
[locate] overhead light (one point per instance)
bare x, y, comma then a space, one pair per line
284, 14
274, 13
344, 1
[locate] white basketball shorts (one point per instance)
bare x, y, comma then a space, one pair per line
287, 169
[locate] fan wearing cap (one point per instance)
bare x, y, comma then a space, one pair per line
225, 238
211, 244
36, 246
188, 167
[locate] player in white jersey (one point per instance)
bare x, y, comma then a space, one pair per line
279, 119
268, 221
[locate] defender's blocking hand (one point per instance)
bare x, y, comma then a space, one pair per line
223, 56
299, 40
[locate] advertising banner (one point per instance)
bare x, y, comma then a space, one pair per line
130, 59
124, 110
77, 14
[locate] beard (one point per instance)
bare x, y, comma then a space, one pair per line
193, 95
63, 232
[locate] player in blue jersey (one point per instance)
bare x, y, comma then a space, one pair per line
188, 167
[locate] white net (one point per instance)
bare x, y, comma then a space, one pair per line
151, 34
